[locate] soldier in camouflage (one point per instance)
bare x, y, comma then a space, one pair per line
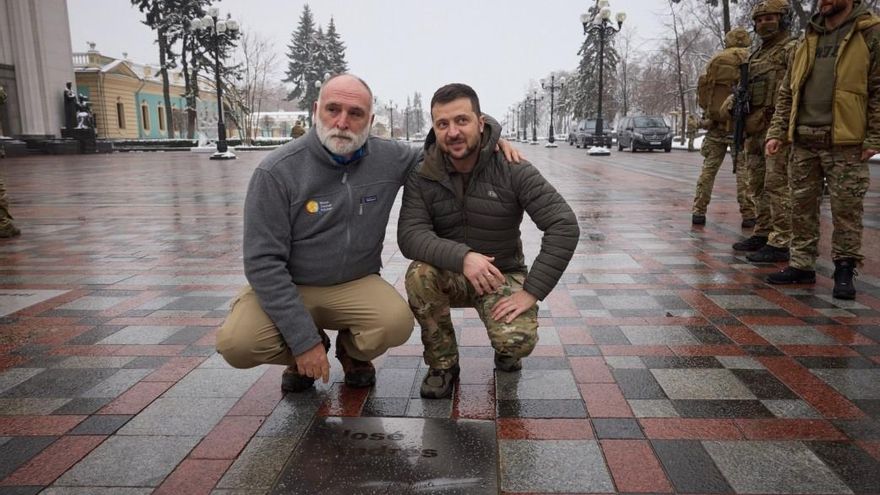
768, 177
460, 222
693, 123
828, 108
717, 140
7, 228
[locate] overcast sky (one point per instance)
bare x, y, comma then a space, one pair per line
402, 46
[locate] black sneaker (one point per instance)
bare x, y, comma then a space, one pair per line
753, 243
748, 223
507, 363
844, 270
698, 219
792, 275
292, 381
438, 383
769, 254
358, 374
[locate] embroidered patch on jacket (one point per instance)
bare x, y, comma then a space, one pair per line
369, 199
313, 207
492, 194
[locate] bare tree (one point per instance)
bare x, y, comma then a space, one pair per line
257, 62
625, 50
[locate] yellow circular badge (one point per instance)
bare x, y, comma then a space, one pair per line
312, 206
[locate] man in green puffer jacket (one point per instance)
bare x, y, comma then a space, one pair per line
828, 107
460, 222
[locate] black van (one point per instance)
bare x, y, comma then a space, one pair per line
644, 133
584, 135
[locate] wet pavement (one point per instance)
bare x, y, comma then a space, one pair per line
665, 365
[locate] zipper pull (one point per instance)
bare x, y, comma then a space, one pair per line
344, 177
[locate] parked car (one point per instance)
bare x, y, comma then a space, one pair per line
644, 132
583, 135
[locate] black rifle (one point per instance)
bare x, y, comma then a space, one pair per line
740, 111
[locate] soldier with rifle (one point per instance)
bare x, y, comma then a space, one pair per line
768, 177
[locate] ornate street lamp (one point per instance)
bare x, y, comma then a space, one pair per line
215, 28
597, 21
523, 115
552, 87
390, 108
534, 99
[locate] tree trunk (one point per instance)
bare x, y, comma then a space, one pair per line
166, 89
725, 10
187, 82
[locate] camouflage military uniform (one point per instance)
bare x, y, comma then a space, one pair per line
768, 177
433, 291
713, 150
845, 62
7, 228
692, 125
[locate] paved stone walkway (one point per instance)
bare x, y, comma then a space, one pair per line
665, 363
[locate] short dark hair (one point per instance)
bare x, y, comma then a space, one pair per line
454, 91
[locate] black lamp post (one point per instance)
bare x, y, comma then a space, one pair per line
216, 28
523, 116
390, 108
406, 119
597, 21
551, 139
534, 99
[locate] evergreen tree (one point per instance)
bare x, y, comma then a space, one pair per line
301, 69
158, 18
586, 96
191, 53
417, 119
336, 49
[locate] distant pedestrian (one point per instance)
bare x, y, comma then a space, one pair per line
829, 109
693, 123
297, 130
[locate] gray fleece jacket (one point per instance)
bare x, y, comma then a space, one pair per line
309, 220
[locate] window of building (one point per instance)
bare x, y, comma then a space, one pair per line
120, 115
145, 116
161, 118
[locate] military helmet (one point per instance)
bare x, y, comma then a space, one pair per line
780, 7
737, 37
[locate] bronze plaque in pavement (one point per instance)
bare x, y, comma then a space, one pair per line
393, 456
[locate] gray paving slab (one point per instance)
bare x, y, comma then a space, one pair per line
701, 383
742, 302
852, 383
25, 406
16, 451
773, 467
216, 382
59, 383
658, 335
577, 466
653, 408
117, 383
94, 490
291, 417
791, 408
536, 384
16, 376
429, 408
179, 416
140, 335
393, 382
259, 464
793, 335
136, 461
94, 362
94, 303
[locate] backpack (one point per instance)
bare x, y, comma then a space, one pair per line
717, 83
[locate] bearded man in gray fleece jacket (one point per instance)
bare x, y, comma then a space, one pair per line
314, 224
460, 220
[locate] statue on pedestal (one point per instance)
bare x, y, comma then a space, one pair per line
84, 117
2, 101
70, 106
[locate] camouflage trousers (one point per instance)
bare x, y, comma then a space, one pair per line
770, 188
432, 292
848, 178
714, 149
5, 217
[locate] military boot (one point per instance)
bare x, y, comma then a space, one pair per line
292, 381
753, 243
438, 383
698, 219
358, 374
844, 270
769, 254
507, 363
748, 223
792, 275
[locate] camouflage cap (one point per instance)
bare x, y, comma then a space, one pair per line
770, 7
737, 38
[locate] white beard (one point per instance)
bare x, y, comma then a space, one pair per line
341, 142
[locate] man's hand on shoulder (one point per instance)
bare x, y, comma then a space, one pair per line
314, 364
868, 153
481, 273
512, 306
510, 153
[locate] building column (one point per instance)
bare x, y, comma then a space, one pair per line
42, 56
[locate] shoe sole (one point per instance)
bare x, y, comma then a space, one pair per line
447, 394
766, 260
360, 383
792, 282
848, 297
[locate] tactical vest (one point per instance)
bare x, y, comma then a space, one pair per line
717, 83
766, 69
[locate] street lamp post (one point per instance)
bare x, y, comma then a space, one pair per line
406, 119
216, 27
390, 108
523, 116
597, 21
551, 139
534, 99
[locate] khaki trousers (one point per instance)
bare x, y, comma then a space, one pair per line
371, 316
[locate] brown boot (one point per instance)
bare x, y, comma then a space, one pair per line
358, 374
292, 381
